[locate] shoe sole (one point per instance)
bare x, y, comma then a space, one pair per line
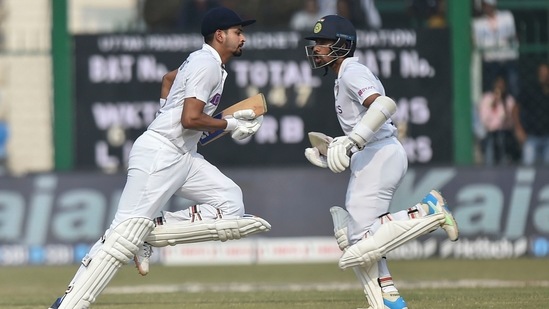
450, 225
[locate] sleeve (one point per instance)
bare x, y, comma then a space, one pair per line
204, 77
361, 87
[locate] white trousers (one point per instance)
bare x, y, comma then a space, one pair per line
157, 170
376, 173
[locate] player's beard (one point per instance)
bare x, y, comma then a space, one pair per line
238, 51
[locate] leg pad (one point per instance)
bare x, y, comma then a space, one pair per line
206, 230
390, 236
120, 245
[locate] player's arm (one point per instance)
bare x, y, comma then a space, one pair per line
241, 123
369, 100
380, 109
167, 82
193, 117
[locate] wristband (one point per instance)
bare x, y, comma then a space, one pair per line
232, 123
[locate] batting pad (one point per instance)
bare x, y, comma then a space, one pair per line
206, 230
120, 246
368, 277
390, 235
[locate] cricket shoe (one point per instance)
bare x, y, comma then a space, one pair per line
437, 204
393, 300
142, 259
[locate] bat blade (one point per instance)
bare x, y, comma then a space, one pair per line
256, 103
320, 141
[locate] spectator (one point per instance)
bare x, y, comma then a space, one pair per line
495, 113
532, 118
160, 15
4, 135
373, 18
494, 36
304, 18
427, 13
192, 12
362, 13
437, 18
3, 146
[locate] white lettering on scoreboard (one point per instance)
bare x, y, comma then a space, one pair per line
123, 68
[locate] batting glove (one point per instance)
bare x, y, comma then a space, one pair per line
241, 128
246, 114
338, 153
314, 156
342, 239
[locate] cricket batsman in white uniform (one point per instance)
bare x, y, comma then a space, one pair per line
365, 230
164, 161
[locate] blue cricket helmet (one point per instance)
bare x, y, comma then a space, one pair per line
337, 29
333, 27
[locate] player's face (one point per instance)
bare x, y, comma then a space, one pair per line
235, 40
322, 52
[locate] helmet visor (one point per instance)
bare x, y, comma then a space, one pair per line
321, 60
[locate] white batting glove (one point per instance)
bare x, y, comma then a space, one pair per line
338, 153
241, 128
246, 114
314, 156
342, 239
317, 154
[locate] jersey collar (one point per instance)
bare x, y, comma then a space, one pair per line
344, 64
214, 53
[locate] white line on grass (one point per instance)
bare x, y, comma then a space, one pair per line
329, 286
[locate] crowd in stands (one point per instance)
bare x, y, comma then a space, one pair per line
184, 15
510, 108
513, 109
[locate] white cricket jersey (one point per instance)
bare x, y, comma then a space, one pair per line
201, 76
496, 37
354, 83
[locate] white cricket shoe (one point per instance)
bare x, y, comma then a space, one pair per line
142, 259
437, 204
393, 300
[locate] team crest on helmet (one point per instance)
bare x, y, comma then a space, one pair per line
318, 26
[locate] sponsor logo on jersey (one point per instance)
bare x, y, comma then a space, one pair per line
361, 91
215, 99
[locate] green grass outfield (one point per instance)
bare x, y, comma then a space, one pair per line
478, 284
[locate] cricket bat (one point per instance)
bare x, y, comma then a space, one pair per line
256, 103
320, 141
